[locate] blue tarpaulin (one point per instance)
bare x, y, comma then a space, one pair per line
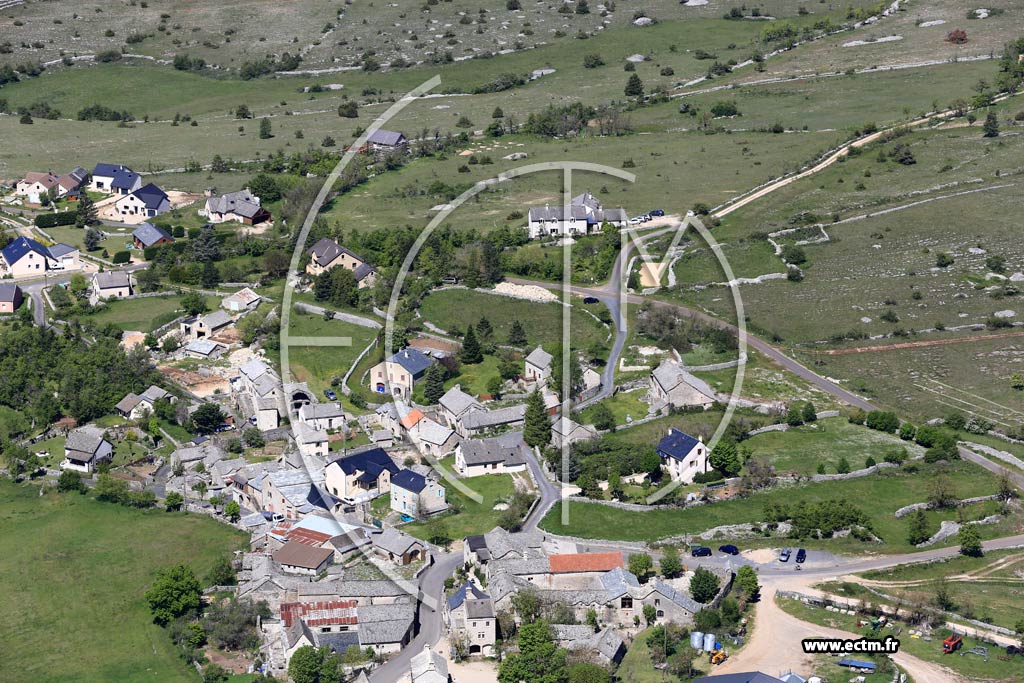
856, 664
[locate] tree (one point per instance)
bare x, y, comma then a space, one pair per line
725, 458
670, 564
650, 614
193, 303
704, 585
322, 286
970, 541
86, 214
537, 427
527, 604
471, 353
746, 581
265, 133
585, 672
917, 528
315, 665
175, 593
275, 262
233, 511
210, 276
602, 416
173, 501
207, 418
634, 87
681, 663
516, 334
640, 565
433, 388
538, 660
941, 493
206, 246
111, 490
794, 416
809, 412
991, 125
843, 466
92, 238
70, 480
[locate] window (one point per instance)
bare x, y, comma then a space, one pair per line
661, 613
657, 602
627, 603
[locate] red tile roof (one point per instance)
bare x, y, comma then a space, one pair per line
585, 562
309, 537
412, 418
320, 613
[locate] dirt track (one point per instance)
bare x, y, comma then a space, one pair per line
917, 344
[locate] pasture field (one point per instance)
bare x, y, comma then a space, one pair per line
143, 315
318, 365
878, 496
86, 581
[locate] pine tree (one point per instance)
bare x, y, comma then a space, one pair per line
537, 429
516, 335
211, 276
725, 458
484, 329
265, 133
206, 247
86, 214
917, 531
322, 286
471, 353
991, 125
810, 414
634, 87
433, 388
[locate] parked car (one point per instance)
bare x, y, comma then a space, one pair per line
657, 212
784, 555
331, 396
635, 221
801, 555
252, 420
646, 217
729, 549
701, 551
590, 299
223, 428
450, 280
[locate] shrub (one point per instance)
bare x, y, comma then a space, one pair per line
122, 257
52, 220
592, 61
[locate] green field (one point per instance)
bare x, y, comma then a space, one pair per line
622, 405
318, 365
879, 496
453, 309
80, 569
143, 315
474, 518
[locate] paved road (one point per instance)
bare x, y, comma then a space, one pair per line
33, 289
432, 585
549, 493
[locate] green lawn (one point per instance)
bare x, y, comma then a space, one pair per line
453, 309
69, 234
879, 496
800, 449
622, 404
475, 518
318, 365
971, 667
144, 315
80, 569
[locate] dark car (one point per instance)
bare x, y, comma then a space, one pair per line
784, 555
590, 299
701, 551
329, 393
658, 212
223, 428
729, 549
801, 555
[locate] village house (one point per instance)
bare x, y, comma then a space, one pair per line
296, 557
242, 207
35, 186
293, 493
242, 301
324, 416
206, 325
316, 529
469, 614
133, 406
25, 257
417, 495
10, 297
203, 349
311, 441
112, 284
428, 667
147, 201
537, 366
478, 422
583, 216
149, 235
683, 455
498, 455
327, 254
433, 438
206, 452
361, 476
397, 375
85, 448
382, 140
397, 546
671, 386
565, 432
263, 391
605, 647
455, 403
114, 179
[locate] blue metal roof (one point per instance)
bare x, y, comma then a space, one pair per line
151, 195
150, 234
122, 176
416, 362
375, 459
745, 677
676, 444
409, 480
465, 590
14, 251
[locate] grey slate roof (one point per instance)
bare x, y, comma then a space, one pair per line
381, 624
113, 279
61, 249
243, 203
394, 541
507, 449
456, 401
313, 411
388, 138
433, 433
326, 250
87, 444
487, 419
8, 291
745, 677
539, 358
149, 234
216, 319
466, 590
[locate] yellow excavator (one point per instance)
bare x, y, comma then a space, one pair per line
718, 656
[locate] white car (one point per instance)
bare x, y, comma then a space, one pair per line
635, 221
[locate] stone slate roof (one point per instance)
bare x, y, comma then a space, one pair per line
433, 433
216, 319
113, 279
388, 138
507, 449
468, 589
298, 554
487, 419
428, 667
381, 624
87, 444
394, 541
540, 358
456, 401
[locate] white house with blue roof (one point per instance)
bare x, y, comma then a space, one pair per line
360, 477
397, 375
417, 495
25, 257
684, 456
114, 179
145, 202
470, 615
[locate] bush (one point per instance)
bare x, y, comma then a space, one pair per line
883, 421
52, 220
592, 61
724, 109
708, 477
122, 257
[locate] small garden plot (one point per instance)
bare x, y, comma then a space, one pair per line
747, 258
143, 315
319, 365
